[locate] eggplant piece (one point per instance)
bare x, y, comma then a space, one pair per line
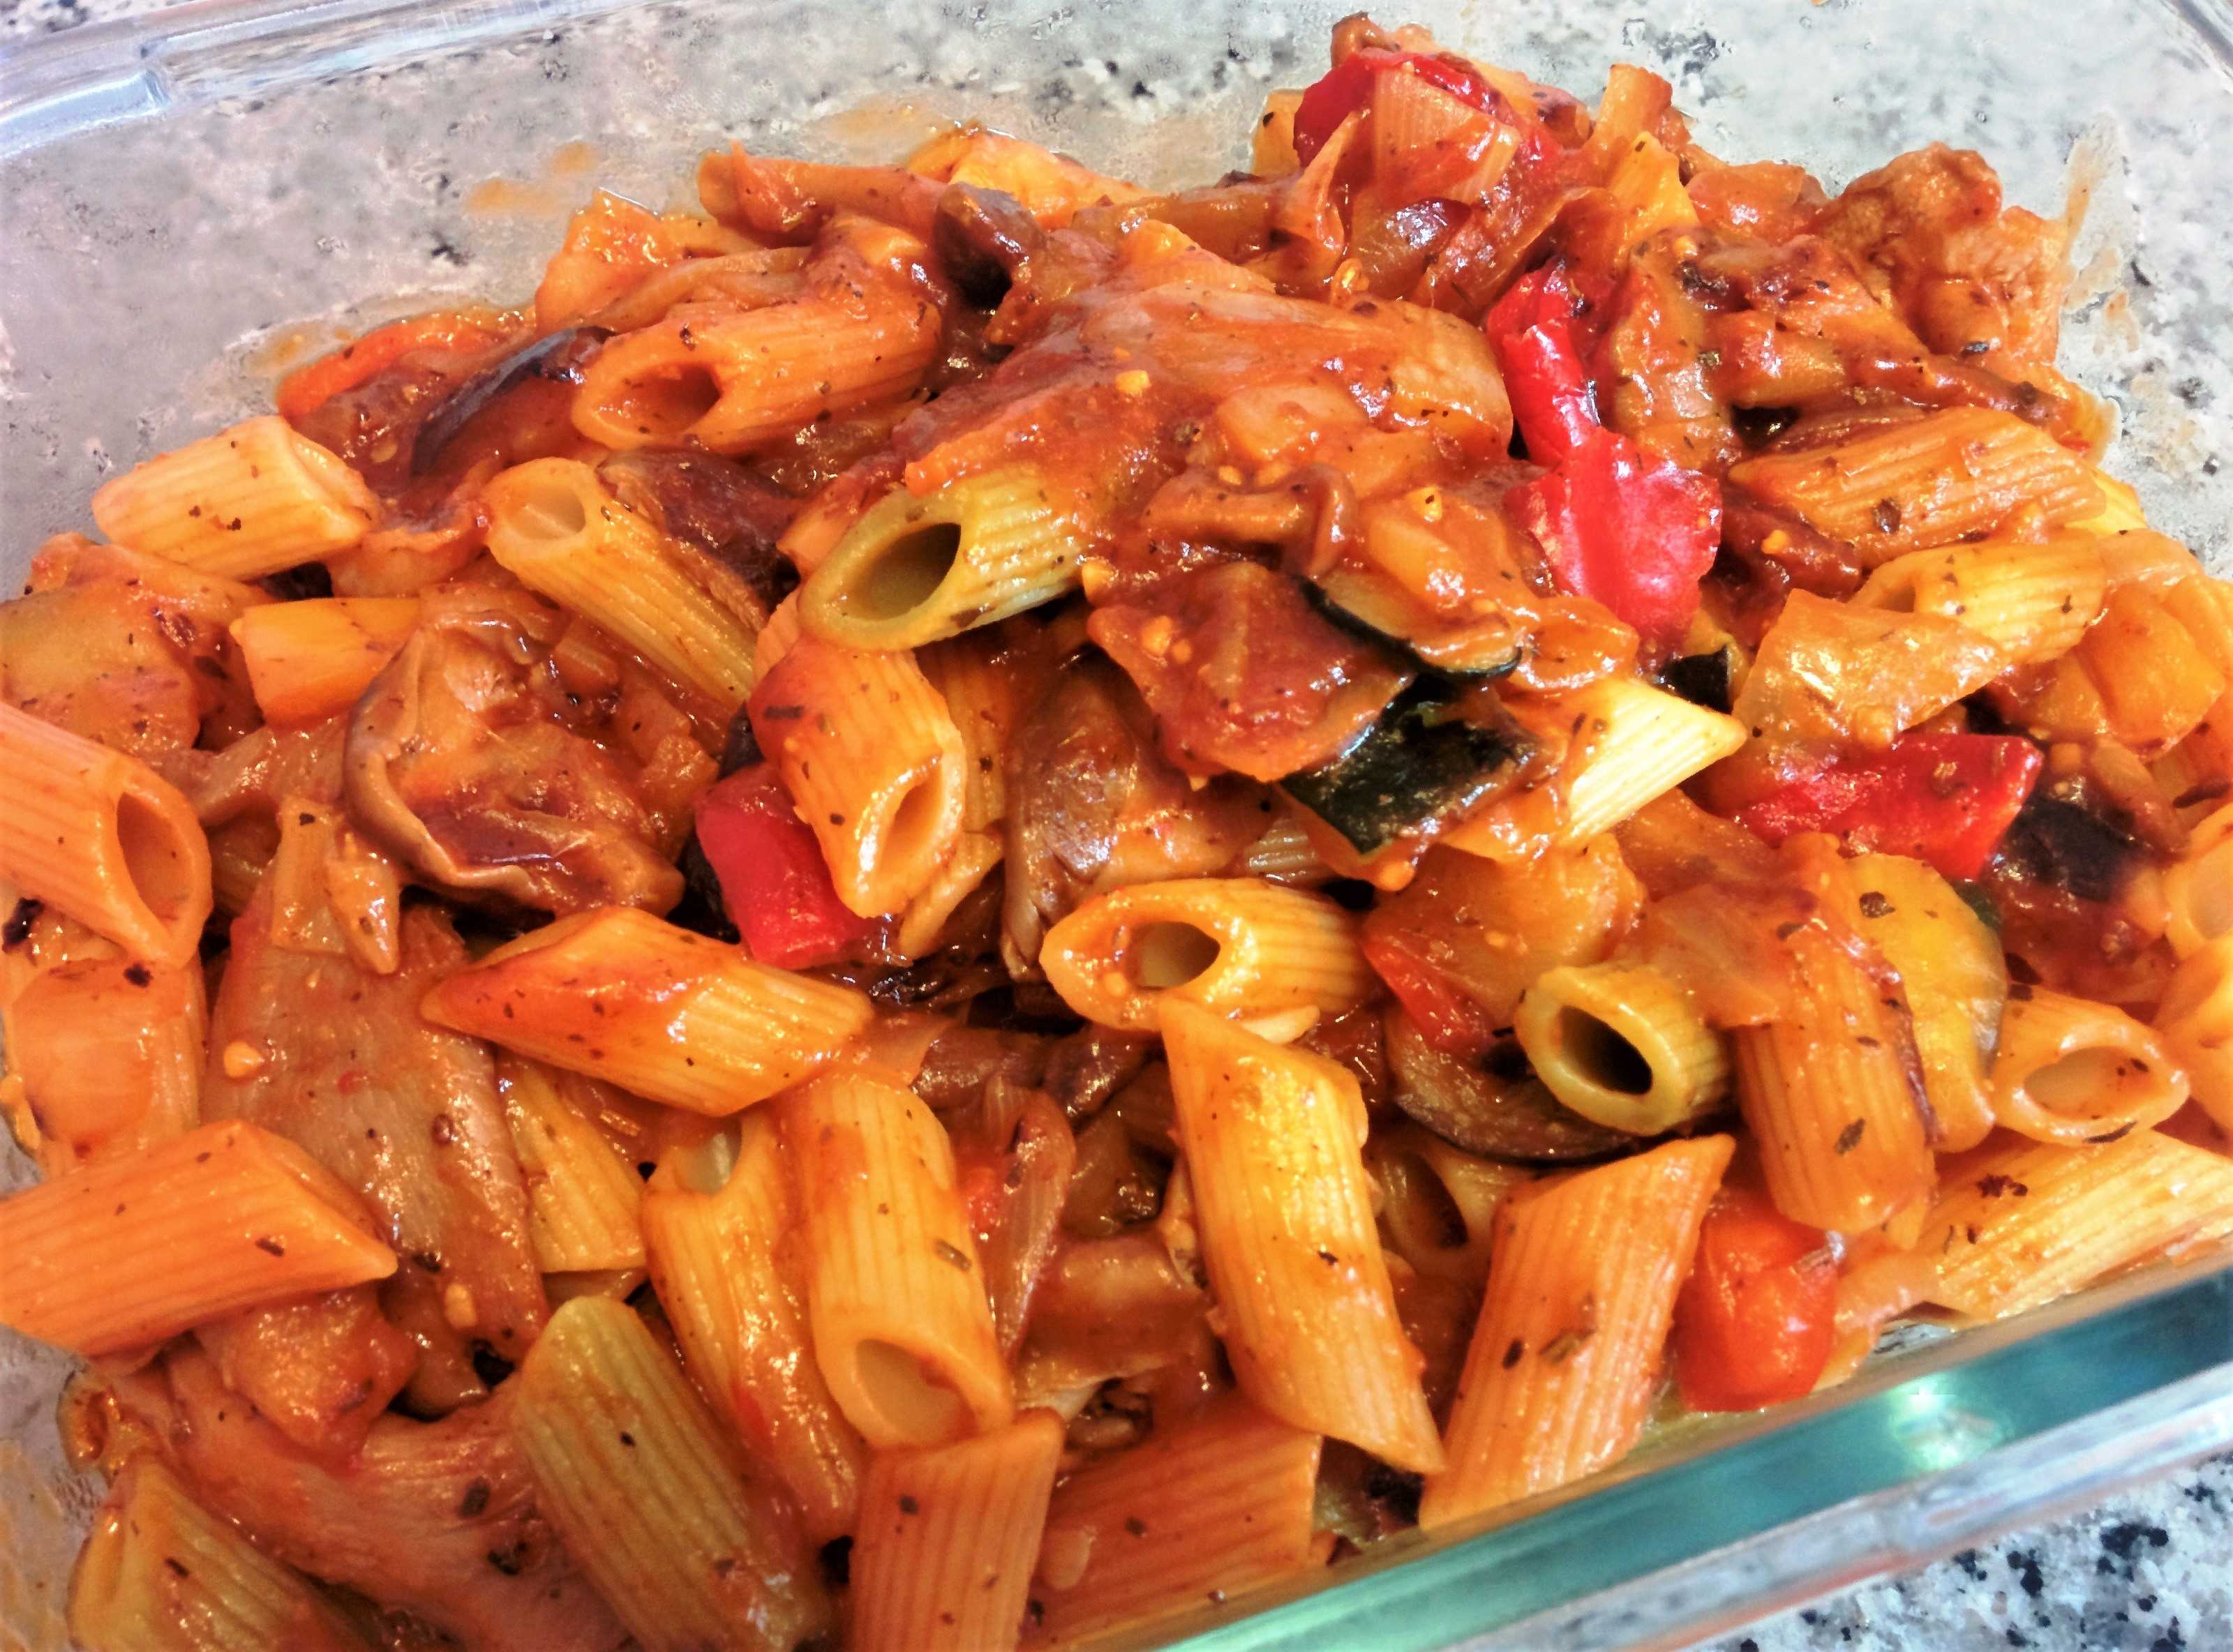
1498, 1108
2066, 846
1419, 765
555, 355
985, 237
1707, 679
1368, 606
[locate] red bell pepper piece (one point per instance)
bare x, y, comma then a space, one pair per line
1634, 534
1448, 1017
1944, 798
1531, 329
774, 882
1347, 86
1757, 1316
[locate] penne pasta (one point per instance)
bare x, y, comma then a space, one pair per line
102, 838
109, 1055
561, 531
2070, 1071
870, 755
984, 699
619, 995
2197, 888
902, 1330
130, 1251
1564, 1360
1273, 1142
2195, 1022
727, 1264
249, 501
307, 661
1438, 1204
914, 570
632, 1472
583, 1197
1621, 1044
2033, 599
1242, 947
923, 920
161, 1574
948, 1535
2030, 1221
1203, 1513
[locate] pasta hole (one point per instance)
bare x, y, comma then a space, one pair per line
904, 1393
2088, 1084
154, 858
917, 819
1602, 1056
552, 513
667, 405
1422, 1216
907, 573
1171, 955
2208, 894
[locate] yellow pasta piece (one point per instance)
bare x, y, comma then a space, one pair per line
130, 1251
2195, 1022
1931, 481
103, 839
1564, 1360
914, 570
1956, 979
2030, 1221
249, 501
1621, 1044
1240, 947
561, 531
109, 1054
871, 757
722, 1235
1203, 1513
1273, 1141
584, 1199
924, 920
1424, 1183
159, 1573
2073, 1072
2120, 507
619, 995
984, 700
2198, 889
902, 1329
307, 661
2033, 599
633, 1474
948, 1536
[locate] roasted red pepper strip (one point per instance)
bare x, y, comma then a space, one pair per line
1944, 798
1531, 329
1756, 1317
1447, 1019
1634, 534
1347, 86
774, 882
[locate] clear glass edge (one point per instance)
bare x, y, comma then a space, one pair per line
2136, 1391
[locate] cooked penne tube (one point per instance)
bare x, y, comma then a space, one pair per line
2120, 507
948, 1535
2073, 1071
870, 754
245, 503
633, 1474
1564, 1360
2195, 1022
619, 995
2030, 1221
984, 699
1272, 1140
1437, 1203
104, 839
130, 1251
159, 1573
109, 1055
560, 529
2197, 888
1204, 1511
1621, 1044
913, 570
1931, 481
2034, 599
725, 1250
1956, 981
584, 1199
902, 1329
1242, 947
307, 661
924, 919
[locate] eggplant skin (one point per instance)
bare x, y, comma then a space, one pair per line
1481, 1110
1413, 770
555, 355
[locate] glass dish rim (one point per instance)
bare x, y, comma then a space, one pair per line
200, 51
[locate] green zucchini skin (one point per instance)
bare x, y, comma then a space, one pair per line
1348, 609
1412, 770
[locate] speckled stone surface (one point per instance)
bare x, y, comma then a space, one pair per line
2151, 1571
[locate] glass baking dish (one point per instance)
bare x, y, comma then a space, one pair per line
202, 196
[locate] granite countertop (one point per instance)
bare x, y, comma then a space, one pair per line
2147, 1571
